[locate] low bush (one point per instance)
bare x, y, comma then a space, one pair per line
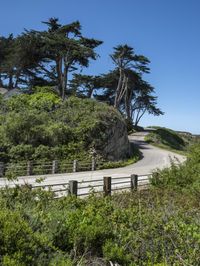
184, 176
155, 227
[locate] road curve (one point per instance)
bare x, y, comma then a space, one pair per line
152, 158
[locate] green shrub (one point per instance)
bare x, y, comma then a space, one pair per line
44, 101
166, 138
41, 126
19, 245
156, 227
21, 151
116, 253
42, 152
109, 165
181, 176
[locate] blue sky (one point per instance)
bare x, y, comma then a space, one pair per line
166, 31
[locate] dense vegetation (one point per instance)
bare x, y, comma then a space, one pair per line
40, 126
182, 176
156, 227
57, 56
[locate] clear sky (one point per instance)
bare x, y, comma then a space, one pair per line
166, 31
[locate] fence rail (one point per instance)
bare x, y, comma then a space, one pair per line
106, 185
32, 168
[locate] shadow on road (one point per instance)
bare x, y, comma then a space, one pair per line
140, 144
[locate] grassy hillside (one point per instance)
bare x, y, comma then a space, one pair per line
189, 138
40, 126
166, 138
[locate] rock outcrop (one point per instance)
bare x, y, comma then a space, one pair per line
117, 146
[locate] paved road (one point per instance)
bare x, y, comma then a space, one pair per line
153, 158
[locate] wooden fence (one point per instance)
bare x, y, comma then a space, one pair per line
107, 185
51, 167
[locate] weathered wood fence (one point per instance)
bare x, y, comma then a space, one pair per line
51, 167
107, 185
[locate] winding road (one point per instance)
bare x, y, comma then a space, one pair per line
152, 158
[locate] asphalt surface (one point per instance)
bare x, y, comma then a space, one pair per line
152, 158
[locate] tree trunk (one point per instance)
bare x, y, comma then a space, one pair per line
64, 79
17, 78
123, 90
128, 100
10, 84
64, 82
90, 92
59, 74
119, 85
1, 82
139, 116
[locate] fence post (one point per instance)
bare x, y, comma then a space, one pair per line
73, 187
54, 167
93, 163
29, 168
134, 182
107, 185
75, 166
2, 169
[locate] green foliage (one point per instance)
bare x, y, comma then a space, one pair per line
114, 252
20, 151
41, 127
20, 245
17, 103
44, 101
181, 176
156, 227
164, 137
136, 156
109, 165
45, 57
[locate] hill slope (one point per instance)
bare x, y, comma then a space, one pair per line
166, 138
42, 127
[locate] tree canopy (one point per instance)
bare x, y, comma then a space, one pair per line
46, 57
56, 56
